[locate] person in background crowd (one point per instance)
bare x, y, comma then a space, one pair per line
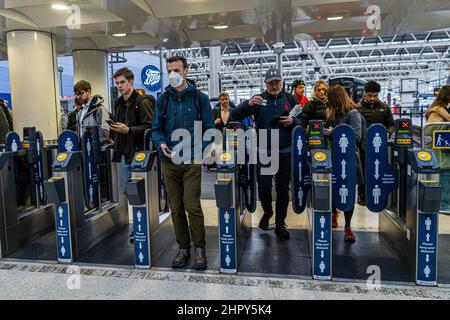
315, 109
222, 112
299, 92
6, 122
342, 110
439, 111
72, 118
374, 111
92, 112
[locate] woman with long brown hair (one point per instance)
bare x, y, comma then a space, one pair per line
342, 110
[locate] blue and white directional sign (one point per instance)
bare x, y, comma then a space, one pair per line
301, 174
322, 245
441, 139
381, 178
227, 238
141, 238
39, 168
63, 238
344, 168
91, 173
13, 143
68, 142
427, 244
151, 78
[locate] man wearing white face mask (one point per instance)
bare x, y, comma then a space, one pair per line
180, 107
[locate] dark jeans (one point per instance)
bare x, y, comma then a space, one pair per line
183, 184
282, 180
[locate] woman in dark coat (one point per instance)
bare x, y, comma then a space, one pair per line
342, 110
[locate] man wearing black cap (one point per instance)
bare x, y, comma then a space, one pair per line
270, 110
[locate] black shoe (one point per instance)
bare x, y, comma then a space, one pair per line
200, 259
132, 237
282, 233
264, 222
362, 200
181, 258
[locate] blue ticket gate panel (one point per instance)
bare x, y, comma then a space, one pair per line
301, 175
65, 169
227, 201
321, 169
422, 210
137, 190
381, 178
344, 168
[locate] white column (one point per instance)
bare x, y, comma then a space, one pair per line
34, 81
215, 60
92, 66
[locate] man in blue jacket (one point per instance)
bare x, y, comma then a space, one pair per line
270, 110
179, 108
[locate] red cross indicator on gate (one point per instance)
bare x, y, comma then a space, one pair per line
316, 125
405, 124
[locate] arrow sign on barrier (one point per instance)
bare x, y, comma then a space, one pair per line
301, 176
344, 168
381, 178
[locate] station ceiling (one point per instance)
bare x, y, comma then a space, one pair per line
153, 24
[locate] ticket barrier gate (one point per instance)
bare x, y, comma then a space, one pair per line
411, 227
234, 205
153, 232
330, 179
82, 222
321, 197
24, 212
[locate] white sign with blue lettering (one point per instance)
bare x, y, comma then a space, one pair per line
381, 178
344, 168
427, 235
141, 238
322, 252
227, 237
63, 238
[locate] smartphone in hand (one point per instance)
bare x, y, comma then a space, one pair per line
110, 122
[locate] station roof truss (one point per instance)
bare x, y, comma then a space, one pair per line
421, 56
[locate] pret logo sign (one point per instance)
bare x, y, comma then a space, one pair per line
151, 78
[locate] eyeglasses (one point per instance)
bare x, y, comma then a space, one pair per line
79, 94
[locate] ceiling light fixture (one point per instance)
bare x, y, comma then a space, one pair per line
335, 18
220, 27
119, 35
60, 6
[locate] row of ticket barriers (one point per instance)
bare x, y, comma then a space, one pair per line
72, 189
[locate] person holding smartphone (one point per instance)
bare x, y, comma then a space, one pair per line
271, 111
132, 115
180, 107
